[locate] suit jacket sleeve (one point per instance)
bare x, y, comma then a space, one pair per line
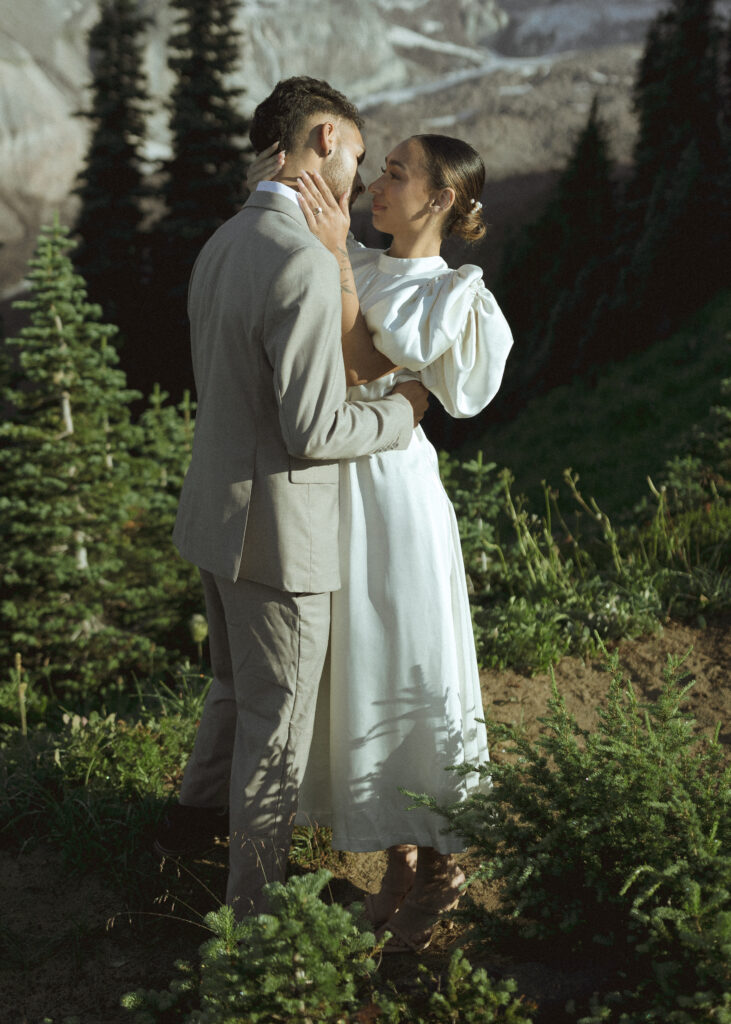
301, 337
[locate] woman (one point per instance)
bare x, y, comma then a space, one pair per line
404, 696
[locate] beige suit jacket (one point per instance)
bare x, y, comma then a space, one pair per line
260, 499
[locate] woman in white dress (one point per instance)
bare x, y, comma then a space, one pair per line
401, 701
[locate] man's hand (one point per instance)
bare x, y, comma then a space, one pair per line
415, 393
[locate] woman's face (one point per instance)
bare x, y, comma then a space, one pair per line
402, 194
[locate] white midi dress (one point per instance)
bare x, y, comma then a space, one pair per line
401, 700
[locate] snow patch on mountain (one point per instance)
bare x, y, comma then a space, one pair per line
553, 26
405, 38
566, 25
491, 63
402, 5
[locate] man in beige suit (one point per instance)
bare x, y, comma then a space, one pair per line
258, 512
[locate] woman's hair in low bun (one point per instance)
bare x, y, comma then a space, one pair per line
452, 163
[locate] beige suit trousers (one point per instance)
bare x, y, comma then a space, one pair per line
268, 648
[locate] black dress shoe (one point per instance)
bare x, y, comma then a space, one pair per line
190, 830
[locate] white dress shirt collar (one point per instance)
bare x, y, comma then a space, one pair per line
279, 189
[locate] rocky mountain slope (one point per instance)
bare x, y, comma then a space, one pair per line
514, 76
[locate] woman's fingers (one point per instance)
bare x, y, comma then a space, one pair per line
311, 190
325, 217
323, 189
320, 196
306, 201
314, 186
307, 210
305, 185
311, 193
341, 207
264, 166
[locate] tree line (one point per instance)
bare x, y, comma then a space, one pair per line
615, 261
140, 228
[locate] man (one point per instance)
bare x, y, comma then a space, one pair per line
259, 509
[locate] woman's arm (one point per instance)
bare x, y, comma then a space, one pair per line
331, 222
363, 361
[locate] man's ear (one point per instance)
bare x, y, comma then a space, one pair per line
326, 137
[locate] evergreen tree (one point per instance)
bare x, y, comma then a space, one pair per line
204, 182
586, 194
525, 294
66, 467
111, 185
206, 173
725, 181
726, 85
676, 93
162, 590
553, 274
657, 254
676, 215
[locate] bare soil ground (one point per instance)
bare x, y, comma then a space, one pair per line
67, 950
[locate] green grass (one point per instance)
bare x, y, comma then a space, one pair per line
555, 577
547, 578
80, 783
622, 430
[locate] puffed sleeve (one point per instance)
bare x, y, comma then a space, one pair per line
452, 331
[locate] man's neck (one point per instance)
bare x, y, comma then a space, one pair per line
287, 180
293, 168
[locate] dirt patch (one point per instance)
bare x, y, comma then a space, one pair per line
67, 949
514, 698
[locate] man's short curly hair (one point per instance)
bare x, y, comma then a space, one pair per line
282, 115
